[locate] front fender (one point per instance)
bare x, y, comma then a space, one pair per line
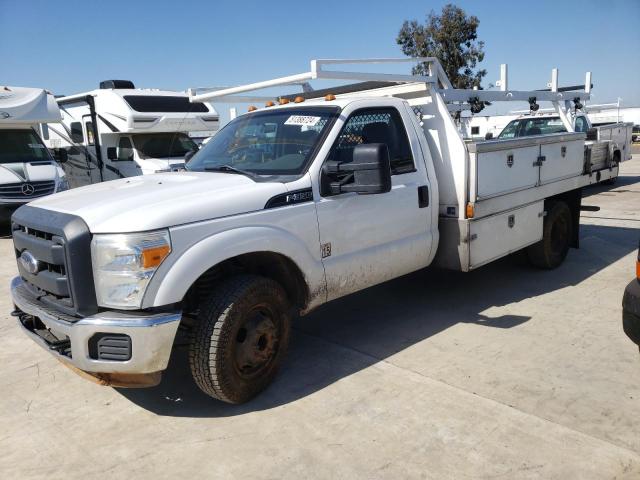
174, 277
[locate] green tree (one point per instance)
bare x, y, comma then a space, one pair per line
452, 38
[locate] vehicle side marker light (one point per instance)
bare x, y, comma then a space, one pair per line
470, 210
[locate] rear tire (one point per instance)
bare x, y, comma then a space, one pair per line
240, 339
551, 251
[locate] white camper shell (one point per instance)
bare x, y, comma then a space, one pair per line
119, 131
27, 169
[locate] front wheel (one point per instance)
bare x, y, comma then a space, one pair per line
240, 339
551, 251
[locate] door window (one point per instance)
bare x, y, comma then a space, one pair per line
375, 125
89, 127
125, 149
581, 125
76, 132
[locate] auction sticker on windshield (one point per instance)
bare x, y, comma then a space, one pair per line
303, 120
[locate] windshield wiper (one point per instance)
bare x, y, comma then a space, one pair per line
229, 169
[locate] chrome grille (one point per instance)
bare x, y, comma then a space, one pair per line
27, 190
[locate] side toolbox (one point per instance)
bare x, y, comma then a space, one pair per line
498, 235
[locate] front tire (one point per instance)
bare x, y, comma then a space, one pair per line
240, 339
551, 251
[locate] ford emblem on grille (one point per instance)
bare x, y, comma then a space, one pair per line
30, 263
27, 189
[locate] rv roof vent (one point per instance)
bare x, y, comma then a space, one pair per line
116, 84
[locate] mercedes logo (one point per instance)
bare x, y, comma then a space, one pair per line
30, 263
27, 189
4, 115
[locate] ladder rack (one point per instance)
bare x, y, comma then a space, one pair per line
405, 86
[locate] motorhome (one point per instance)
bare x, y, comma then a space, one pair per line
27, 169
308, 199
120, 131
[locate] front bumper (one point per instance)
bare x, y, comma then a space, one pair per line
151, 335
631, 311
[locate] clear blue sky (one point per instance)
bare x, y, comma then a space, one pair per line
68, 46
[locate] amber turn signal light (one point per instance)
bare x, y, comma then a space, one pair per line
152, 257
469, 210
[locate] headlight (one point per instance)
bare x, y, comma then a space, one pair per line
63, 185
123, 265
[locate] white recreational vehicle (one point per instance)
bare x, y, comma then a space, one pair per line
121, 131
27, 169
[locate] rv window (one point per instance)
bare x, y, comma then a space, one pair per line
157, 103
17, 146
163, 145
125, 149
89, 127
45, 131
475, 130
76, 132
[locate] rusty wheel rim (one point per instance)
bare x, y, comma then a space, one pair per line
256, 342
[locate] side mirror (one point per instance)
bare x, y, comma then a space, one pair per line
368, 173
112, 153
488, 136
592, 133
189, 154
61, 155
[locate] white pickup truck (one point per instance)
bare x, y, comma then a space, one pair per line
288, 207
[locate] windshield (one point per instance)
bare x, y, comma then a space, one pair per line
162, 145
280, 142
17, 146
526, 127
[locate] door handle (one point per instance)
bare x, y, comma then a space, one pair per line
423, 196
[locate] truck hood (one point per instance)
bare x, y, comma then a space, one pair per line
162, 200
35, 171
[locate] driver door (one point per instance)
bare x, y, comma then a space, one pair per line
367, 239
